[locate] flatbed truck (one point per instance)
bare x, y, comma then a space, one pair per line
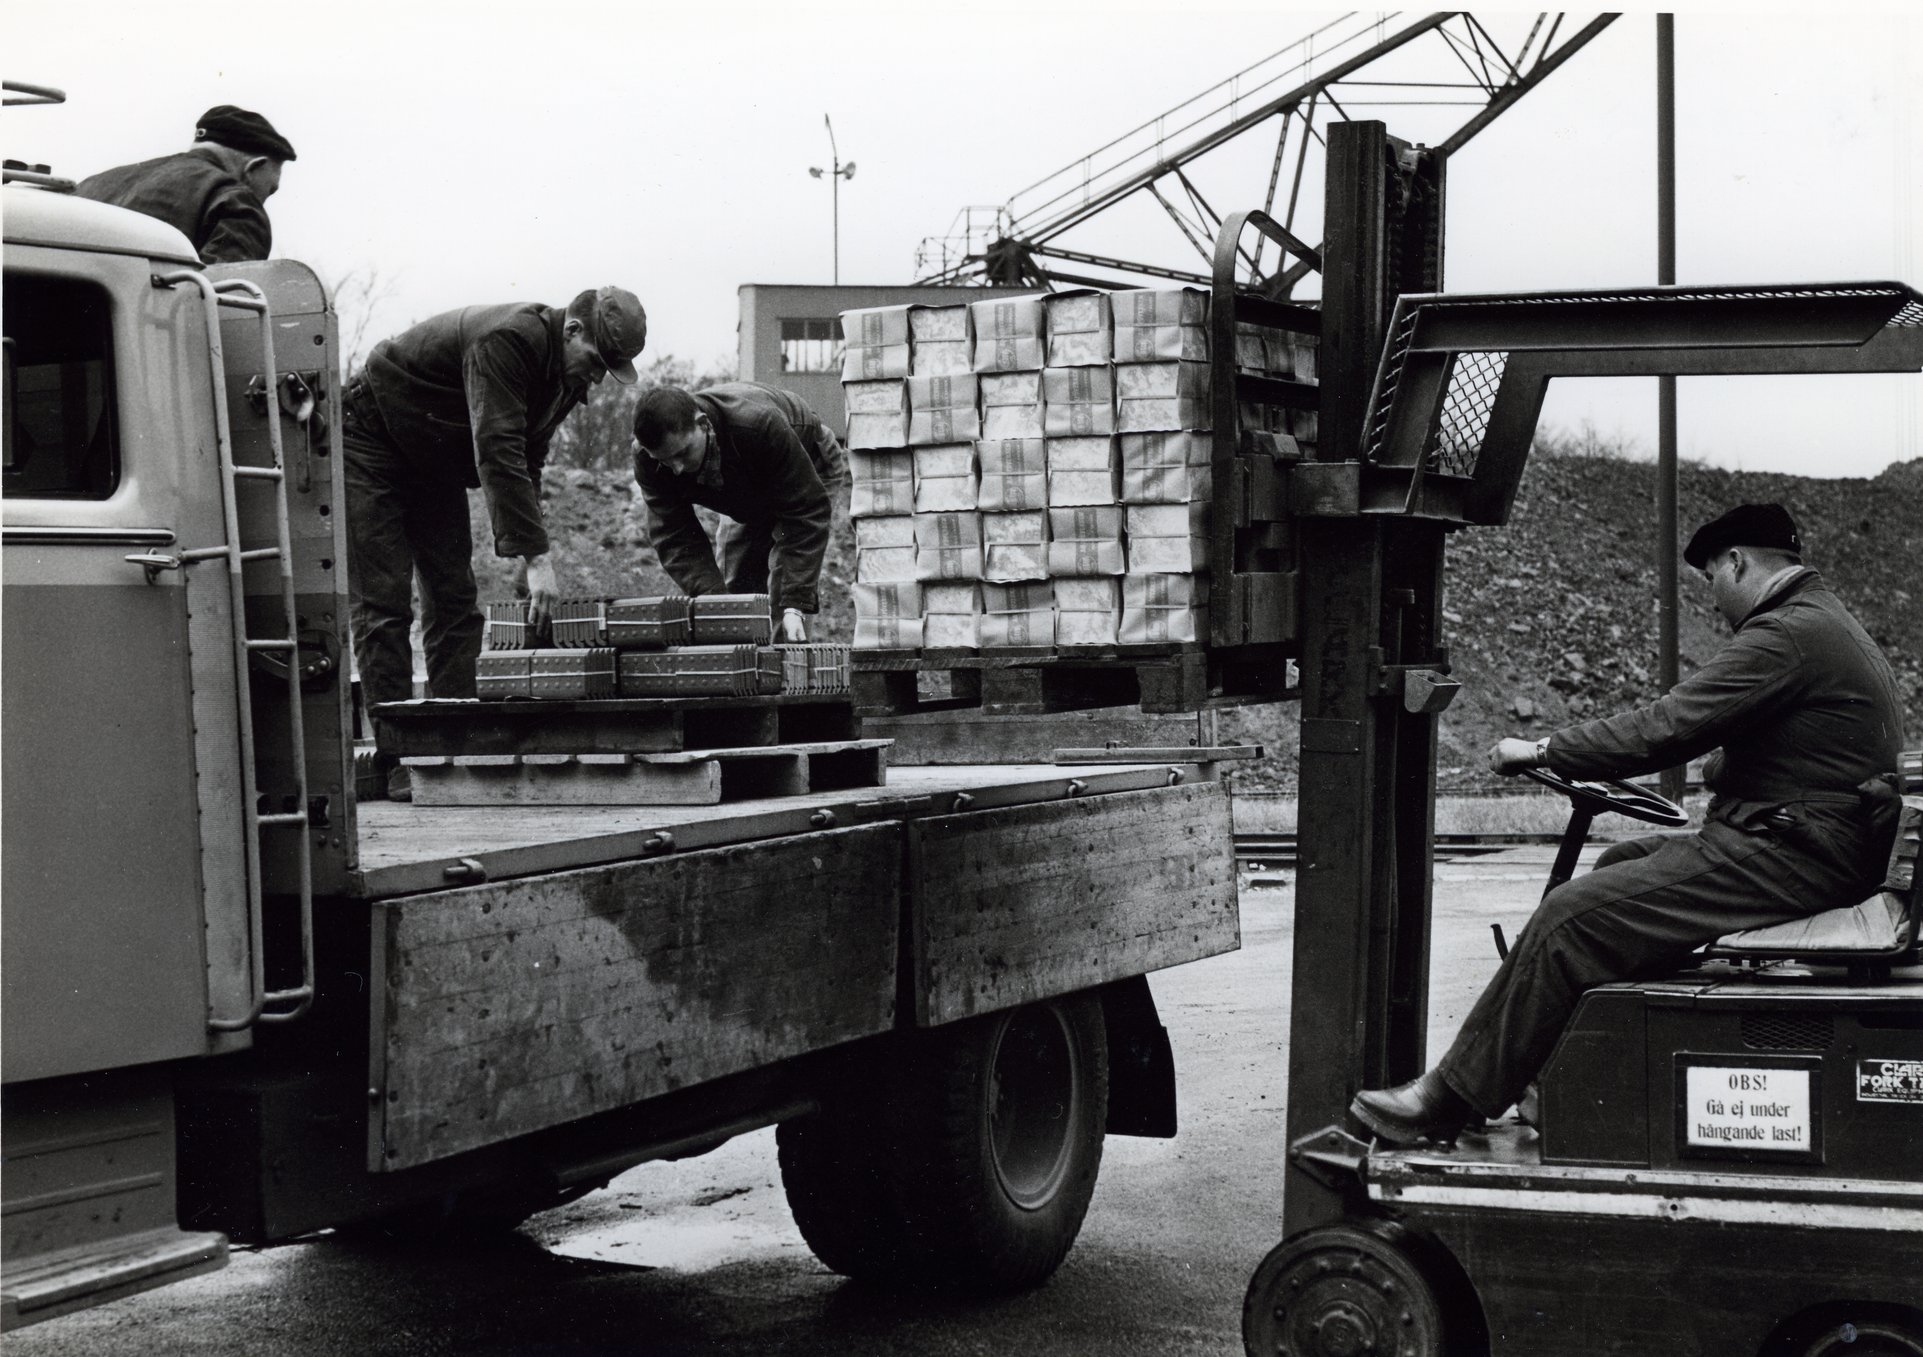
241, 1006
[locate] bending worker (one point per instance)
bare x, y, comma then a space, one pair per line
214, 193
1804, 708
759, 456
466, 399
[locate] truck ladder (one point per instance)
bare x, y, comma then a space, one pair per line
246, 296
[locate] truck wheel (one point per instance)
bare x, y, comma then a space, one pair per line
998, 1126
832, 1170
1342, 1289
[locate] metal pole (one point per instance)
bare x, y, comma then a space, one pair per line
1668, 668
836, 192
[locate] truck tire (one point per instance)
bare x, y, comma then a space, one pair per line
839, 1194
997, 1126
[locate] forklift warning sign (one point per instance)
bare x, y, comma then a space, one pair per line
1747, 1109
1889, 1081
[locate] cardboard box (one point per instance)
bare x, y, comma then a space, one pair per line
875, 343
1012, 405
1087, 612
1085, 542
1017, 615
885, 550
948, 546
877, 413
1151, 397
1303, 351
1081, 471
887, 616
1158, 608
1014, 475
940, 341
1166, 468
1015, 547
1079, 402
950, 616
943, 410
1262, 349
1167, 538
882, 482
1008, 334
1078, 328
1156, 324
945, 478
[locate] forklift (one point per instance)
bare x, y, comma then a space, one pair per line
1726, 1161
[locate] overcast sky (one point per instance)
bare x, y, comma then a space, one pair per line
466, 152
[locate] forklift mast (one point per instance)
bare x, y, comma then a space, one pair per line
1371, 661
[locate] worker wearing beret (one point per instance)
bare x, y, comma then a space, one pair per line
215, 193
761, 457
465, 399
1800, 714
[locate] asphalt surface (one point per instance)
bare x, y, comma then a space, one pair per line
700, 1257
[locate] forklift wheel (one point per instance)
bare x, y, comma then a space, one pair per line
1846, 1333
1343, 1289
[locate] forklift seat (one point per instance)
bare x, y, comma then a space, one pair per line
1882, 931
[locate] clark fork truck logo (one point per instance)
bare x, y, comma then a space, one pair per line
1889, 1081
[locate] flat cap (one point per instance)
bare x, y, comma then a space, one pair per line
244, 131
619, 328
1747, 525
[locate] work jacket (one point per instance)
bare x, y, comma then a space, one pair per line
196, 195
1800, 702
773, 462
475, 395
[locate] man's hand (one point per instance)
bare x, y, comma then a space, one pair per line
1510, 755
793, 629
535, 578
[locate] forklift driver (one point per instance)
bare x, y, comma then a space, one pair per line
1803, 708
215, 193
759, 456
465, 399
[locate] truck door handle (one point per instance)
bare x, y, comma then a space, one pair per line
153, 562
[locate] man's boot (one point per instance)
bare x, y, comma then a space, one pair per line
1423, 1108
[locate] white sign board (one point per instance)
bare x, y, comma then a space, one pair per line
1745, 1108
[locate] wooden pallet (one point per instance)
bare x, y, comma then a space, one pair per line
1157, 679
703, 777
656, 725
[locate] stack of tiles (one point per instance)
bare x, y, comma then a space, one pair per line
814, 667
662, 646
1063, 440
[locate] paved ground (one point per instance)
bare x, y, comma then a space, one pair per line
700, 1257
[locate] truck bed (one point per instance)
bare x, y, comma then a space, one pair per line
406, 849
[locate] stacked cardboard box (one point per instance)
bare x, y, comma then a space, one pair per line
1063, 441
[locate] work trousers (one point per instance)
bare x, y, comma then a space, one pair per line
743, 551
401, 525
1645, 907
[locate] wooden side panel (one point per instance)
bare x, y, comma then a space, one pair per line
506, 1008
1019, 904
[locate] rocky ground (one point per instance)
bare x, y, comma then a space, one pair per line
1550, 619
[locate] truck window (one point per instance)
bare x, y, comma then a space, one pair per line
62, 439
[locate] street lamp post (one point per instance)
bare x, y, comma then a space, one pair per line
837, 172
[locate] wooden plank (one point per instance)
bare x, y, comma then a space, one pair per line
965, 737
1221, 753
1010, 906
613, 725
478, 781
502, 1009
405, 849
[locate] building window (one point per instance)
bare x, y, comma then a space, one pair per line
811, 345
61, 436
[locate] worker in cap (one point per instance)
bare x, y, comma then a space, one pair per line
466, 399
763, 459
1800, 716
215, 193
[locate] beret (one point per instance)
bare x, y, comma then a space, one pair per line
243, 131
1747, 525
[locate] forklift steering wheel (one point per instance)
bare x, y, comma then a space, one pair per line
1587, 800
1624, 798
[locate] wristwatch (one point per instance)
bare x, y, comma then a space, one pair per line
1542, 752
